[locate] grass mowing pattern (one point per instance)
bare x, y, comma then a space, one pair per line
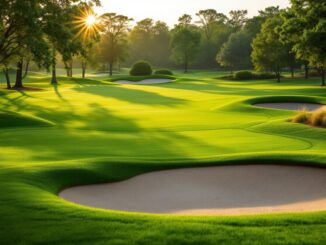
107, 132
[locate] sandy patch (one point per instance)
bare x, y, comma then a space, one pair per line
225, 190
146, 81
291, 106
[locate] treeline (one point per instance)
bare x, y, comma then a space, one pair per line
274, 40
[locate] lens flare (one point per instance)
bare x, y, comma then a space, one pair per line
87, 23
90, 20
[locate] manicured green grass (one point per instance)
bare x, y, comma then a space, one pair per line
93, 131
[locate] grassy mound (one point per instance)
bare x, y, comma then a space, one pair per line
10, 119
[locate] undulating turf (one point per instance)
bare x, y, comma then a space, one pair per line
92, 131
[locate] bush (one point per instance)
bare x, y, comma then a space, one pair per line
317, 118
248, 75
244, 75
141, 68
303, 116
164, 72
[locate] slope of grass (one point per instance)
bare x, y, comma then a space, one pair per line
105, 132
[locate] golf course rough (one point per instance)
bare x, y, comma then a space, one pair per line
96, 131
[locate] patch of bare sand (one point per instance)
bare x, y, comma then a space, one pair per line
293, 106
224, 190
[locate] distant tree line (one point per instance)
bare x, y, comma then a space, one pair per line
274, 40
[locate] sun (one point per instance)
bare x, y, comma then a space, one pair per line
87, 23
90, 20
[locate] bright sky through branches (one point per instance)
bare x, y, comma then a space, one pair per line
170, 10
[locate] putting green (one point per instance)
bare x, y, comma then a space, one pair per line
95, 131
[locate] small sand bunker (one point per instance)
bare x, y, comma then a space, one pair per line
225, 190
146, 81
291, 106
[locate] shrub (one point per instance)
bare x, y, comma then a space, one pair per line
318, 118
164, 72
303, 116
244, 75
141, 68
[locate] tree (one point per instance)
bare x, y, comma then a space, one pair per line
305, 26
238, 19
160, 40
59, 25
184, 45
208, 19
215, 32
115, 34
235, 53
269, 53
185, 20
21, 34
140, 40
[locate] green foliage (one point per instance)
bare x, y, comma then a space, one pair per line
141, 68
305, 26
269, 53
238, 19
150, 40
248, 75
243, 75
184, 45
163, 72
113, 47
235, 53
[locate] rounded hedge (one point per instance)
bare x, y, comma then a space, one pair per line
141, 68
244, 75
164, 72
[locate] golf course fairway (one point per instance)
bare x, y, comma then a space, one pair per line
93, 131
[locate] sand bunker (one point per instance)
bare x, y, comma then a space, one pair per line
225, 190
291, 106
146, 81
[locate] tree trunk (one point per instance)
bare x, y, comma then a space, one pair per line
67, 69
278, 74
84, 66
26, 69
292, 71
111, 69
19, 75
6, 73
54, 71
70, 68
322, 71
306, 71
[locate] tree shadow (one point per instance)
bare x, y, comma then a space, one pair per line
131, 95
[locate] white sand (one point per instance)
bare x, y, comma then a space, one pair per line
291, 106
225, 190
146, 81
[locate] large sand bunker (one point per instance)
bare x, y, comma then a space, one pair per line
225, 190
146, 81
291, 106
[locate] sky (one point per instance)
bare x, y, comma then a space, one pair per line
170, 10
